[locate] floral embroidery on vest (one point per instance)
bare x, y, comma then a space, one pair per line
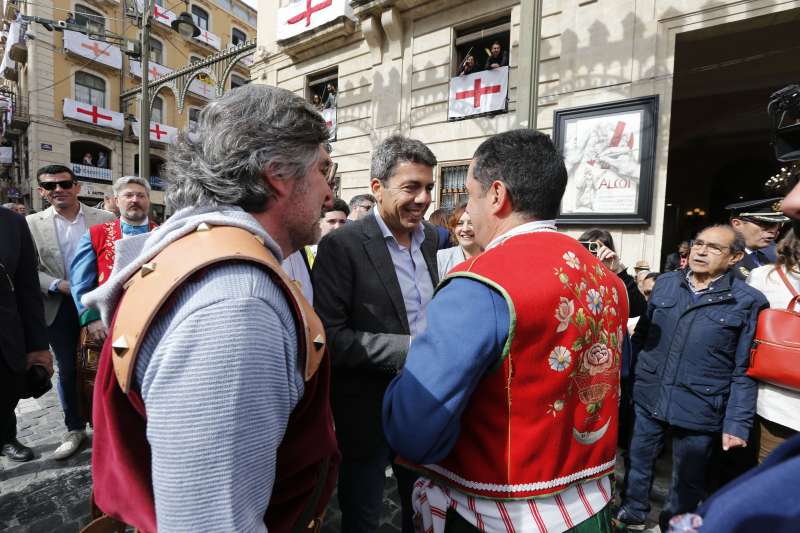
593, 359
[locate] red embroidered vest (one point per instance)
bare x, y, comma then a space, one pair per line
103, 237
546, 415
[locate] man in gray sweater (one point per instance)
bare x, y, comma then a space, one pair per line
218, 371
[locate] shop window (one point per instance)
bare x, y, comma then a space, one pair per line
238, 36
454, 185
200, 17
89, 89
477, 40
157, 111
322, 89
90, 19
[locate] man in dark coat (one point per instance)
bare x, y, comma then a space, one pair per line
373, 279
23, 334
693, 349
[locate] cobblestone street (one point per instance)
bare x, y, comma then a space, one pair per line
45, 495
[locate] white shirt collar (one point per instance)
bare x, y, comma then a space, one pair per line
528, 227
65, 219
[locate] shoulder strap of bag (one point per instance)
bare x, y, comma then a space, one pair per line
151, 286
786, 281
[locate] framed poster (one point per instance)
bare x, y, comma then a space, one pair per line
609, 151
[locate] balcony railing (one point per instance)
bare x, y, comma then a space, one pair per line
94, 173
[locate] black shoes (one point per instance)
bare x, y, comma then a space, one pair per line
16, 451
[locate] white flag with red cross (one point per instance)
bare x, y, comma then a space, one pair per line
330, 120
155, 70
158, 132
99, 116
79, 44
478, 93
211, 39
163, 15
304, 15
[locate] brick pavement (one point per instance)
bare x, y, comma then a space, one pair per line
45, 495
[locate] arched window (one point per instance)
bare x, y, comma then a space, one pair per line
238, 36
156, 51
238, 81
157, 112
200, 17
89, 89
90, 19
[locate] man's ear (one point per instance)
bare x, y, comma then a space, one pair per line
736, 258
501, 198
376, 187
277, 181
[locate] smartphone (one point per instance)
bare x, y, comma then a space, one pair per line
591, 246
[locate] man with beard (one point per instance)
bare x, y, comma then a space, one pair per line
92, 266
759, 223
373, 279
211, 407
57, 231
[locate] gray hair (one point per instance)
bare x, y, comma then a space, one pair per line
240, 135
738, 244
358, 198
398, 149
125, 180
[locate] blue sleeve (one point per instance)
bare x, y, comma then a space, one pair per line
83, 272
468, 326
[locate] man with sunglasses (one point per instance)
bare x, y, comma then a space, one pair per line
692, 350
759, 223
56, 232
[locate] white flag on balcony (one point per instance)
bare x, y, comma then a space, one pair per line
305, 15
104, 53
93, 114
482, 92
330, 120
210, 39
158, 132
201, 88
163, 15
155, 70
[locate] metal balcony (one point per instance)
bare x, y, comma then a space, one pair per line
92, 173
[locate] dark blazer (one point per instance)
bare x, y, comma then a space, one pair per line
692, 354
22, 326
358, 297
767, 256
502, 60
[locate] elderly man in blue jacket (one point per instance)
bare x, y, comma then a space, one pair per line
693, 350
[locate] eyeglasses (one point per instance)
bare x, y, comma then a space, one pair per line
712, 248
365, 207
131, 195
51, 185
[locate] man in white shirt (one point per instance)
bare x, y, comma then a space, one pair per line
56, 232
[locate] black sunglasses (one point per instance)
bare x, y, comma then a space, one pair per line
51, 185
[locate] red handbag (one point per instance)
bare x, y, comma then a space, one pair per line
775, 356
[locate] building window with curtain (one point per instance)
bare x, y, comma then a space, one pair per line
200, 17
157, 111
90, 89
194, 117
90, 19
238, 36
156, 51
454, 185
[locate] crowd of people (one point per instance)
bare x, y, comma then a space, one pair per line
269, 343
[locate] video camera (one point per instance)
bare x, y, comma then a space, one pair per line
784, 114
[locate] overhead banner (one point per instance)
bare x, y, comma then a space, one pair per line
163, 15
158, 132
155, 70
305, 15
210, 39
104, 53
482, 92
99, 116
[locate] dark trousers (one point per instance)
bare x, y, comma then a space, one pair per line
10, 389
360, 492
691, 451
63, 336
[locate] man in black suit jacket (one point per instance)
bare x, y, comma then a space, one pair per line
23, 333
372, 280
